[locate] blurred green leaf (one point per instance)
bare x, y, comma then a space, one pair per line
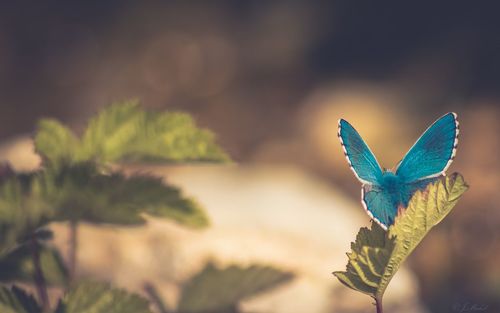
109, 134
15, 300
92, 297
220, 290
54, 141
124, 132
82, 192
23, 209
377, 255
17, 266
157, 199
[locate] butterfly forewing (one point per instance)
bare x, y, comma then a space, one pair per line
433, 152
359, 156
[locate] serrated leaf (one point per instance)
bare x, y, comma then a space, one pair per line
109, 134
73, 181
92, 297
125, 132
17, 266
82, 192
220, 290
173, 137
155, 198
369, 256
376, 255
54, 141
16, 300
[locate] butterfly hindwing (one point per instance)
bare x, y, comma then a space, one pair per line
360, 158
382, 203
433, 152
410, 188
379, 204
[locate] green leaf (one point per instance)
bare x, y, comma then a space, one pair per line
91, 297
157, 199
73, 181
124, 132
23, 209
82, 192
377, 255
220, 290
18, 265
369, 256
54, 141
173, 137
16, 300
108, 135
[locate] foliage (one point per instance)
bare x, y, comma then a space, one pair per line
17, 266
23, 210
369, 256
86, 297
123, 132
77, 183
16, 300
220, 290
91, 297
82, 192
376, 255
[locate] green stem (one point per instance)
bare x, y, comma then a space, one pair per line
40, 283
378, 304
73, 246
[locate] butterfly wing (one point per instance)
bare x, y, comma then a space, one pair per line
408, 190
433, 152
382, 205
379, 204
359, 156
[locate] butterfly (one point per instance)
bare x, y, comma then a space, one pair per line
386, 193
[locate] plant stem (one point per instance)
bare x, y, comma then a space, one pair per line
155, 298
40, 283
378, 304
73, 246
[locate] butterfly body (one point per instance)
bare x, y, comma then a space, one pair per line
385, 193
391, 182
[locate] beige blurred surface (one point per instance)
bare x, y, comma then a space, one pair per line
19, 152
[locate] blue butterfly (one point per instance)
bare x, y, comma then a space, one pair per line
385, 193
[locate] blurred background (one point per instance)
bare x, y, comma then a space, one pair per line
271, 79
